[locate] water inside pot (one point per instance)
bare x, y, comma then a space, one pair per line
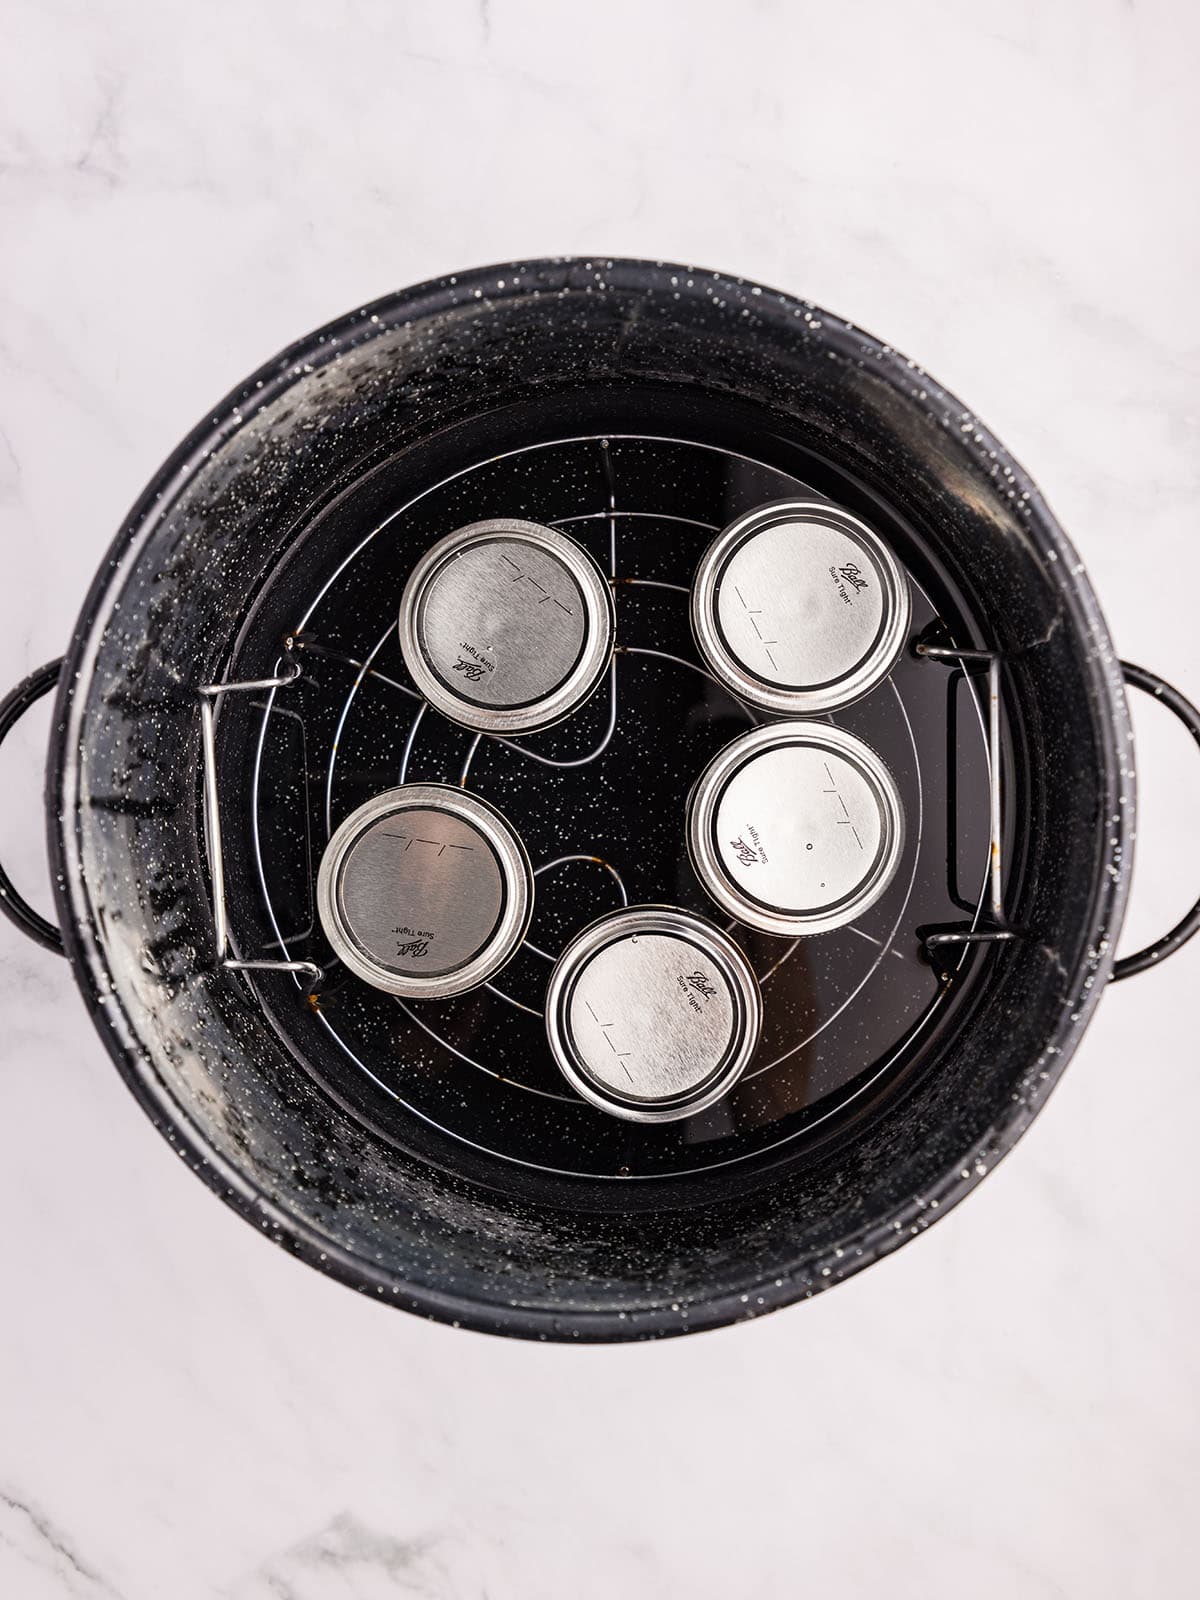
600, 800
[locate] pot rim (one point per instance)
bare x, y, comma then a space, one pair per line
77, 921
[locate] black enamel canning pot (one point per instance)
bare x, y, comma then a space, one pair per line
232, 691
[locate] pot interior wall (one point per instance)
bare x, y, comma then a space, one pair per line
217, 554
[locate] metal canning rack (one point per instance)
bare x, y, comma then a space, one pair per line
945, 947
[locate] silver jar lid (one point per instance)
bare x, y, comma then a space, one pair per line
425, 891
799, 608
506, 626
652, 1013
795, 828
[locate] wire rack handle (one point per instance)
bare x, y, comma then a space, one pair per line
211, 695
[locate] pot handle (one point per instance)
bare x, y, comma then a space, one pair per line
12, 708
1189, 923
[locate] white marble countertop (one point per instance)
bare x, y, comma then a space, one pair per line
1007, 1408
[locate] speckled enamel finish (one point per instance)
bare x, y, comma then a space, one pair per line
167, 613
